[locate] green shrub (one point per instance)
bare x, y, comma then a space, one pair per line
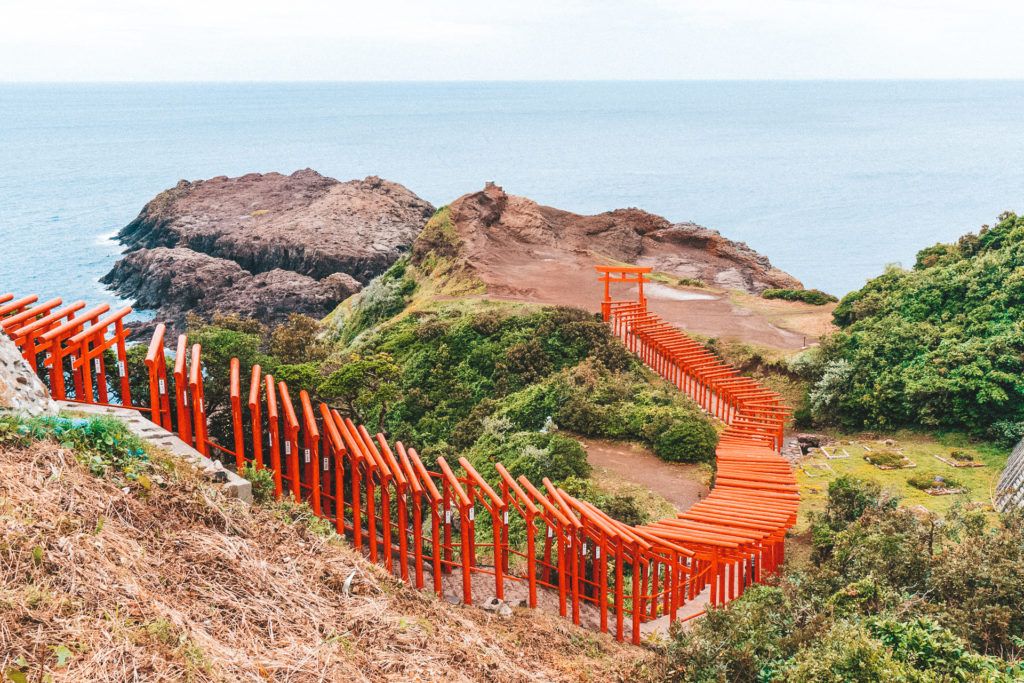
808, 296
534, 454
747, 641
845, 654
849, 498
924, 483
296, 341
384, 297
925, 646
449, 370
961, 456
686, 441
885, 458
262, 481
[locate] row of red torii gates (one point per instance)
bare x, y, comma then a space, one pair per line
442, 526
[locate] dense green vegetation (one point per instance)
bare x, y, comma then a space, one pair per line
938, 346
808, 296
432, 378
889, 595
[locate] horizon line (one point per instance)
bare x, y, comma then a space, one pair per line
918, 79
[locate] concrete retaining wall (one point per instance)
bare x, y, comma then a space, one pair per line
141, 426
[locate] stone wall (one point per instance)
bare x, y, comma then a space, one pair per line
1010, 490
21, 391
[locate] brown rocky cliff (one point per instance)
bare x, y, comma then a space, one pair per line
264, 245
511, 242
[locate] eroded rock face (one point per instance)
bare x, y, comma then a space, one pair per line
21, 392
264, 245
498, 229
176, 281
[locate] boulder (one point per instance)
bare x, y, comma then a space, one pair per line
21, 392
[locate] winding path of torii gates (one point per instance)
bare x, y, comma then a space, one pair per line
425, 525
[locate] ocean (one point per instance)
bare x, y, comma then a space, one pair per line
831, 180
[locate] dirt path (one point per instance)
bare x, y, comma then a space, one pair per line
680, 484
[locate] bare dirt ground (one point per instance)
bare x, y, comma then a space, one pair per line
549, 279
680, 484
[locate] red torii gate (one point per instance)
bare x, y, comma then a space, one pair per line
628, 274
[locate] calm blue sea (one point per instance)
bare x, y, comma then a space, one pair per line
832, 180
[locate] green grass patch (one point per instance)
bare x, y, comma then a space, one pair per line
816, 472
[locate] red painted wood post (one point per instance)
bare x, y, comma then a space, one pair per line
497, 509
465, 504
620, 605
291, 442
384, 475
156, 391
371, 508
122, 369
195, 385
181, 390
435, 517
311, 450
355, 443
355, 477
601, 567
401, 484
415, 489
255, 418
235, 395
337, 448
273, 428
571, 544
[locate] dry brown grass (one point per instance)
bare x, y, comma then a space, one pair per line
180, 584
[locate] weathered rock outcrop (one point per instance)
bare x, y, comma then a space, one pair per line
21, 392
177, 281
498, 229
264, 245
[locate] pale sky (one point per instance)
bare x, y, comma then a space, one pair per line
230, 40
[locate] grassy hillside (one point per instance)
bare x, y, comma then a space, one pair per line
422, 356
937, 346
118, 564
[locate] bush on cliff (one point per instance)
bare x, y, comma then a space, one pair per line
815, 297
938, 346
383, 298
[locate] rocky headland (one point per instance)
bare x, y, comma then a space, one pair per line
516, 249
267, 245
512, 243
263, 245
